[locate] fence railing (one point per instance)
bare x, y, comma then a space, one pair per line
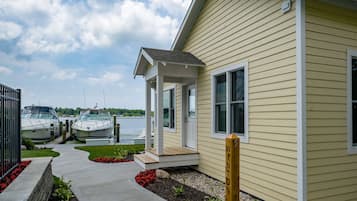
10, 127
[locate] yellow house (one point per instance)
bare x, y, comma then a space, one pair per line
281, 74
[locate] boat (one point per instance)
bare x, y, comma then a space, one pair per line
39, 123
93, 124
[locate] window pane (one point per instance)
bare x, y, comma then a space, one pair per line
221, 118
172, 118
192, 102
221, 88
172, 98
166, 101
166, 117
354, 119
237, 118
238, 85
354, 78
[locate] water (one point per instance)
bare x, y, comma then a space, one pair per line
130, 128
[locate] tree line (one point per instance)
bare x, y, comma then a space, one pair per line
117, 111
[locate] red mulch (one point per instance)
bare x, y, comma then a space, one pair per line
111, 160
6, 181
145, 177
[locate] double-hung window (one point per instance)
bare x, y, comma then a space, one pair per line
229, 99
352, 100
169, 108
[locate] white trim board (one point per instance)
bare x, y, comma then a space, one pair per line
350, 148
301, 101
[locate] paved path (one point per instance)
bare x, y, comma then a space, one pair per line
96, 181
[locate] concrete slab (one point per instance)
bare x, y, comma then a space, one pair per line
97, 181
23, 186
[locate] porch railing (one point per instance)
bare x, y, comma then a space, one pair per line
10, 127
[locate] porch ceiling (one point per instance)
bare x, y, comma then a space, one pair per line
169, 60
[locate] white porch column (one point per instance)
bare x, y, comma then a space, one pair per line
159, 117
148, 115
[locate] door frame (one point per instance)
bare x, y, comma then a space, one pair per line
184, 115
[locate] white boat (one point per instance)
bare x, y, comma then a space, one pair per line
39, 123
93, 124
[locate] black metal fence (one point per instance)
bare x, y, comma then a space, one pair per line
10, 127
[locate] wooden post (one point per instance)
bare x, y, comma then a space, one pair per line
67, 125
52, 131
70, 129
232, 168
114, 124
63, 132
118, 132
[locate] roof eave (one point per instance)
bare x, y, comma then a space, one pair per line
187, 24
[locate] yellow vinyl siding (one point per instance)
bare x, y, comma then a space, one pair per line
172, 138
332, 173
231, 32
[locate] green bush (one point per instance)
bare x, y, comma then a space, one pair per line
28, 143
62, 190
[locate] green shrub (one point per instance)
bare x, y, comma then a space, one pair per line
62, 190
178, 191
28, 143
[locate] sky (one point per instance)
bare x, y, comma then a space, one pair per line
76, 53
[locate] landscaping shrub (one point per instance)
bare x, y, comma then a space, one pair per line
62, 190
111, 160
28, 143
145, 177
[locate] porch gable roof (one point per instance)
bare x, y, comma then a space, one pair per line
149, 56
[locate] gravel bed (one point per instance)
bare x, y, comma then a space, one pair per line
203, 183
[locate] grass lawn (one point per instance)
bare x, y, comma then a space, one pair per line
38, 153
110, 151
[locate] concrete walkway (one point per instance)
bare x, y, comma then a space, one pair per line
97, 181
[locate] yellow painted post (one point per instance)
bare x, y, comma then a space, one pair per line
232, 168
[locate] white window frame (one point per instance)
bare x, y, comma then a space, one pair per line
228, 70
351, 149
167, 129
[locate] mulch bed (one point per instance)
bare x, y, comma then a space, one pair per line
128, 158
165, 189
6, 181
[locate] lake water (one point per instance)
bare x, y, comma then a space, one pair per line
130, 128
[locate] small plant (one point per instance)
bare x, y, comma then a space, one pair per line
62, 189
178, 191
28, 143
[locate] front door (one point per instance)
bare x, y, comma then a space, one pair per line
190, 117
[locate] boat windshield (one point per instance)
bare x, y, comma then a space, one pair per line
38, 113
95, 115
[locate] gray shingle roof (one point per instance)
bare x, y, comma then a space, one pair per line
173, 56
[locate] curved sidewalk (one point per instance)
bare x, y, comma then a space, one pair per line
96, 181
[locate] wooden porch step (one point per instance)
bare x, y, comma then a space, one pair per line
174, 151
144, 158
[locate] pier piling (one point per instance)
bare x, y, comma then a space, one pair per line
117, 128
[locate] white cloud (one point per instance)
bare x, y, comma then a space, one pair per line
173, 7
5, 70
9, 30
59, 27
64, 75
106, 78
39, 67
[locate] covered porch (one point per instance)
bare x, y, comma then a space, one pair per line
160, 67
